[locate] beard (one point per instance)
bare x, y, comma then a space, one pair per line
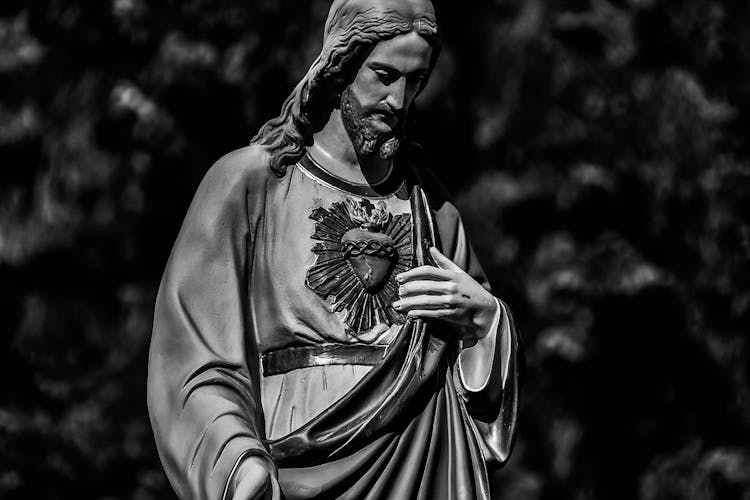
365, 130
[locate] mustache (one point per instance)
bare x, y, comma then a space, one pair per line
386, 111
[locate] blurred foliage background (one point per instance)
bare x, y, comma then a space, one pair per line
597, 149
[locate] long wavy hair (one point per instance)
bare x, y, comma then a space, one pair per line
351, 34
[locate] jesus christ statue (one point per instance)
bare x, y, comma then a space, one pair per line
323, 328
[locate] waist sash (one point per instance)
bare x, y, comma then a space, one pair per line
293, 358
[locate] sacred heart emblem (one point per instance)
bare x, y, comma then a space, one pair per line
371, 255
360, 249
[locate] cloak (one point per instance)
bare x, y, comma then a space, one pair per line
252, 278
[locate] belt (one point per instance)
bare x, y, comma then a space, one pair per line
293, 358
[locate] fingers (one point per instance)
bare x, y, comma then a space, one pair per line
424, 273
442, 261
427, 287
274, 492
253, 480
414, 302
432, 313
445, 271
251, 488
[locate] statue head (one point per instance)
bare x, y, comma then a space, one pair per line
354, 29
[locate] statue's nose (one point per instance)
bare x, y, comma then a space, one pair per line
397, 95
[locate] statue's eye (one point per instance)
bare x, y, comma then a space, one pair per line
385, 76
416, 78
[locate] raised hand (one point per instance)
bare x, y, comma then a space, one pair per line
447, 293
253, 481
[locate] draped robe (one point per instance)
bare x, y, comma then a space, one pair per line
235, 289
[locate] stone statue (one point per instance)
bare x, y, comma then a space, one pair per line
323, 328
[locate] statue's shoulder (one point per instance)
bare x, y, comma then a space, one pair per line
237, 176
244, 165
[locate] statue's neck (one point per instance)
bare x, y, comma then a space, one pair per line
334, 151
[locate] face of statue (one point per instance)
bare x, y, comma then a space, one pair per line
375, 104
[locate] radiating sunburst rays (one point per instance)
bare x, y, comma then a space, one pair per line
333, 277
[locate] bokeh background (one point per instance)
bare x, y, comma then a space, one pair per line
598, 150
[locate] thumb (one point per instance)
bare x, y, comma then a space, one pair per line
442, 261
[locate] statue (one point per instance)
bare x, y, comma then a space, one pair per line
323, 328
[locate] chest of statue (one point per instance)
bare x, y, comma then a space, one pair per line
325, 257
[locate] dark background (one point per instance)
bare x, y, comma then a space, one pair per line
597, 149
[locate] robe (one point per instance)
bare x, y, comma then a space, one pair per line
243, 282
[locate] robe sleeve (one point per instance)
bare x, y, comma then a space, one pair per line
203, 397
475, 361
493, 404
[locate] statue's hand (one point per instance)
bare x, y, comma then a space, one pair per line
253, 480
448, 293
